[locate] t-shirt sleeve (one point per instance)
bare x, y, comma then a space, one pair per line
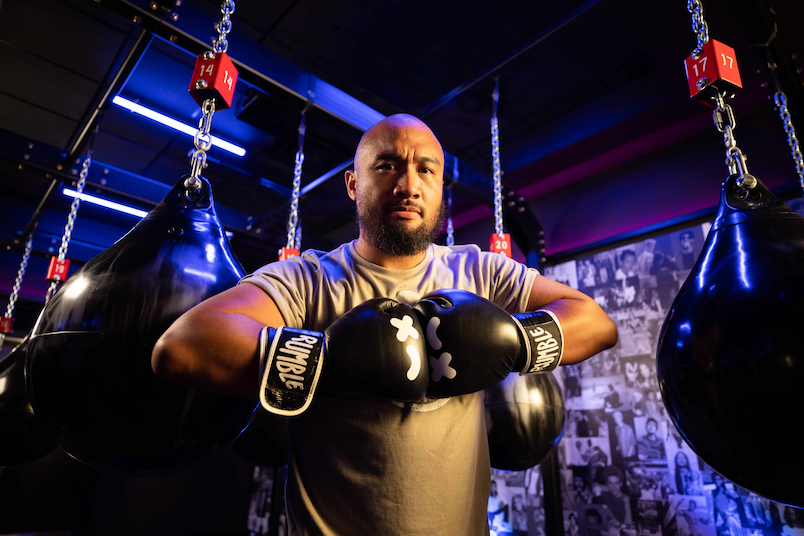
287, 282
511, 281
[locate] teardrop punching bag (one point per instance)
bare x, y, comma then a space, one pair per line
731, 350
88, 370
525, 416
264, 442
23, 439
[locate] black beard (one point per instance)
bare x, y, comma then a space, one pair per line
396, 240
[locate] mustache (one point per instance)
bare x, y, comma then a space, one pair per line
387, 207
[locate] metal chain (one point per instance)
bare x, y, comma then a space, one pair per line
450, 228
224, 26
293, 218
735, 159
781, 106
699, 26
203, 142
15, 290
68, 228
495, 159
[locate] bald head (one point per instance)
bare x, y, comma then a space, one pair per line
397, 186
392, 127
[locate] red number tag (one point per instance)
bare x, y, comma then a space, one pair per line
716, 69
57, 271
500, 244
6, 324
214, 78
286, 253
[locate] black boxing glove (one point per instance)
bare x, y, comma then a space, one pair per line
542, 342
376, 349
473, 343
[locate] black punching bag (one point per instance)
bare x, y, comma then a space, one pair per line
731, 351
525, 417
89, 371
22, 437
264, 442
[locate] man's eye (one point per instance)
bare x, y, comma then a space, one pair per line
387, 167
426, 170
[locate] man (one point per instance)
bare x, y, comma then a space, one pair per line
613, 497
626, 439
370, 465
628, 262
687, 245
691, 520
594, 522
651, 446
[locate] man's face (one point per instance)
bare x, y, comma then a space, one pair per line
651, 427
628, 263
397, 185
613, 483
686, 242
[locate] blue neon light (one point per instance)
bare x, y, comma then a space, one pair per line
178, 125
106, 203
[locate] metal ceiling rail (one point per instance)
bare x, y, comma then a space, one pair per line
257, 65
515, 54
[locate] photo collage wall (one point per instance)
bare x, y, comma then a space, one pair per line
625, 470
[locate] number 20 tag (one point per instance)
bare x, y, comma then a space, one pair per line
500, 244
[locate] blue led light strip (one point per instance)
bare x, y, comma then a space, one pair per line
178, 125
106, 203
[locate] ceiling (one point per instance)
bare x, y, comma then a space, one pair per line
598, 134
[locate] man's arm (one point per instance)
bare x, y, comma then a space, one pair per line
213, 346
587, 329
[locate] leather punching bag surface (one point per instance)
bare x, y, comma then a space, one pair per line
23, 439
89, 371
525, 416
731, 350
264, 442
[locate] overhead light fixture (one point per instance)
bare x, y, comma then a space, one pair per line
172, 123
105, 203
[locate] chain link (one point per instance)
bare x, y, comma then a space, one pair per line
15, 290
495, 159
699, 26
294, 240
450, 228
456, 173
735, 159
781, 106
68, 229
224, 26
203, 142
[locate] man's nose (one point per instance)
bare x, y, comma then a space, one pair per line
408, 184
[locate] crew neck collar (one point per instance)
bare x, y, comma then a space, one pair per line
428, 256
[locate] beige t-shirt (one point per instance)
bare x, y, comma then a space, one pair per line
361, 466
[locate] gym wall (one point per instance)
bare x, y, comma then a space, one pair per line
613, 472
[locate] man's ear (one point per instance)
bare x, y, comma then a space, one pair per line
350, 178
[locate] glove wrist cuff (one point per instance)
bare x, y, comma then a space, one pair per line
290, 366
543, 339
